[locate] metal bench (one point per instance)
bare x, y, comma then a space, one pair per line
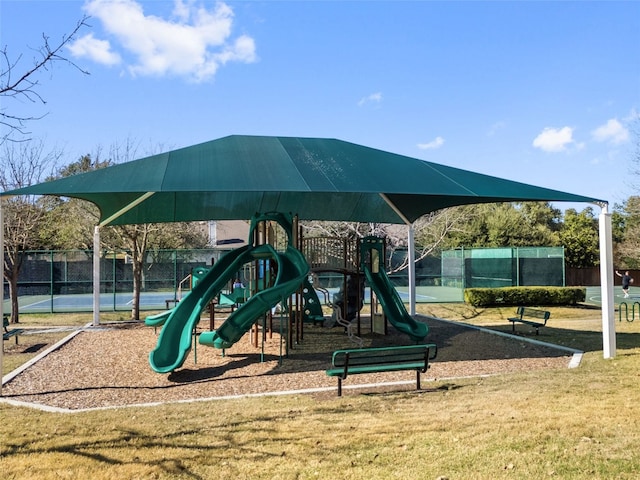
530, 316
7, 334
381, 359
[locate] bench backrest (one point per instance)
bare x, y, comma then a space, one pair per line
384, 355
533, 313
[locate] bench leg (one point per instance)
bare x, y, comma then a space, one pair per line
8, 337
339, 386
418, 380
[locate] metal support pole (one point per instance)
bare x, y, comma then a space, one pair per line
96, 275
606, 285
412, 271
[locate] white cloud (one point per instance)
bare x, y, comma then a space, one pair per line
373, 98
97, 50
193, 44
555, 139
181, 10
613, 132
432, 145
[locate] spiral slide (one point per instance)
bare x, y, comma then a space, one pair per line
174, 341
292, 271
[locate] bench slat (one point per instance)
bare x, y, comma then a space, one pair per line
367, 359
334, 372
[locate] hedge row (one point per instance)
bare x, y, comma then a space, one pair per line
524, 296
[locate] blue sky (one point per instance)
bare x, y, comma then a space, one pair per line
539, 92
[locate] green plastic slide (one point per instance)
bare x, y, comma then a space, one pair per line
158, 319
393, 306
292, 271
174, 341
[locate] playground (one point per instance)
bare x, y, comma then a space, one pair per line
108, 366
278, 338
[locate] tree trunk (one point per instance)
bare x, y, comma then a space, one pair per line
12, 264
137, 282
138, 250
13, 295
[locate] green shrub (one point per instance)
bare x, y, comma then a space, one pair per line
524, 296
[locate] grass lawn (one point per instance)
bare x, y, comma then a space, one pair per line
569, 424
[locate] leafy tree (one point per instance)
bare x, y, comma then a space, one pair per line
507, 225
22, 164
579, 236
626, 233
626, 217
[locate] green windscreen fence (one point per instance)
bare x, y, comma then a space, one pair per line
504, 267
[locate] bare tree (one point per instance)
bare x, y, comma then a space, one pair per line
22, 164
22, 83
136, 238
349, 230
429, 231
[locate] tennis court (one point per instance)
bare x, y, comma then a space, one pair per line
158, 300
84, 302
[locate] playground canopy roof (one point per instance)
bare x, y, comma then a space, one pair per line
318, 179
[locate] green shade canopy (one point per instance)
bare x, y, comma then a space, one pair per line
318, 179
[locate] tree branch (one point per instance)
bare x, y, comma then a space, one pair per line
25, 84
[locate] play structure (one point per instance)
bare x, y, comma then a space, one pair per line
357, 262
282, 276
175, 338
372, 260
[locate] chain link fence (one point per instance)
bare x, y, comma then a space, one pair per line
62, 281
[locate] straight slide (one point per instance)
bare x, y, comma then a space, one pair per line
174, 341
393, 306
292, 271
